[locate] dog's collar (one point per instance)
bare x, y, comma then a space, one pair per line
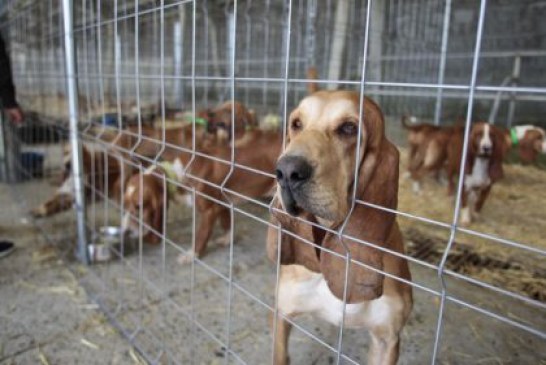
199, 121
514, 136
171, 174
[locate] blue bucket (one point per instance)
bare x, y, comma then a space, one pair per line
111, 120
32, 164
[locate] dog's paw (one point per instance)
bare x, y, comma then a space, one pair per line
224, 240
466, 217
186, 258
39, 212
416, 187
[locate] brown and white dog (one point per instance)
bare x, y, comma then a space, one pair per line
427, 150
315, 181
219, 120
146, 199
486, 150
149, 186
94, 154
530, 141
259, 153
149, 145
102, 172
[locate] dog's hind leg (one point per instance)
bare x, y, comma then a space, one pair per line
206, 224
57, 204
481, 198
225, 222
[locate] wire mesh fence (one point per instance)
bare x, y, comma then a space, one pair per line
182, 110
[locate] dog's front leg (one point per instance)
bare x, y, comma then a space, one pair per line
57, 204
225, 222
384, 348
481, 198
208, 216
282, 330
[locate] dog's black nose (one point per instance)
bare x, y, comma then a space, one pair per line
293, 171
487, 149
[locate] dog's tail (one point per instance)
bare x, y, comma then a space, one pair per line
312, 74
406, 122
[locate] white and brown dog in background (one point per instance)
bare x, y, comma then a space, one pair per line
486, 150
529, 140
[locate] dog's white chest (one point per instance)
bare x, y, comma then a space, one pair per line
313, 296
479, 177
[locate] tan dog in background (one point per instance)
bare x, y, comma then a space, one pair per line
219, 120
259, 153
427, 150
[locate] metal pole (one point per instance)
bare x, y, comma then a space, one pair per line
375, 44
442, 68
515, 80
496, 103
77, 166
455, 222
338, 42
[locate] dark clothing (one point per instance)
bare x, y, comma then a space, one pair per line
7, 90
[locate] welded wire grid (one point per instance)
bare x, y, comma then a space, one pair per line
137, 61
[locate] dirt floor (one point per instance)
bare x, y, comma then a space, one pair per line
150, 298
514, 211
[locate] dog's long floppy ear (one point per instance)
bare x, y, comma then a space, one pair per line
378, 185
496, 171
293, 250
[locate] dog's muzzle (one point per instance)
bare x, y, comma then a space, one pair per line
486, 150
293, 172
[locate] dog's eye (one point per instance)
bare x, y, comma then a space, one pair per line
296, 124
347, 129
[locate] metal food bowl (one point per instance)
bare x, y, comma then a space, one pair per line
105, 241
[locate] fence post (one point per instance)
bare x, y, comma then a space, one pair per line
442, 66
515, 80
77, 166
338, 42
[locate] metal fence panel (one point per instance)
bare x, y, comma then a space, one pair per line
140, 78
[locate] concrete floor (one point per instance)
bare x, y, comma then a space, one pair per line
47, 313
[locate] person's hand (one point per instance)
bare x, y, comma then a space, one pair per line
15, 114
